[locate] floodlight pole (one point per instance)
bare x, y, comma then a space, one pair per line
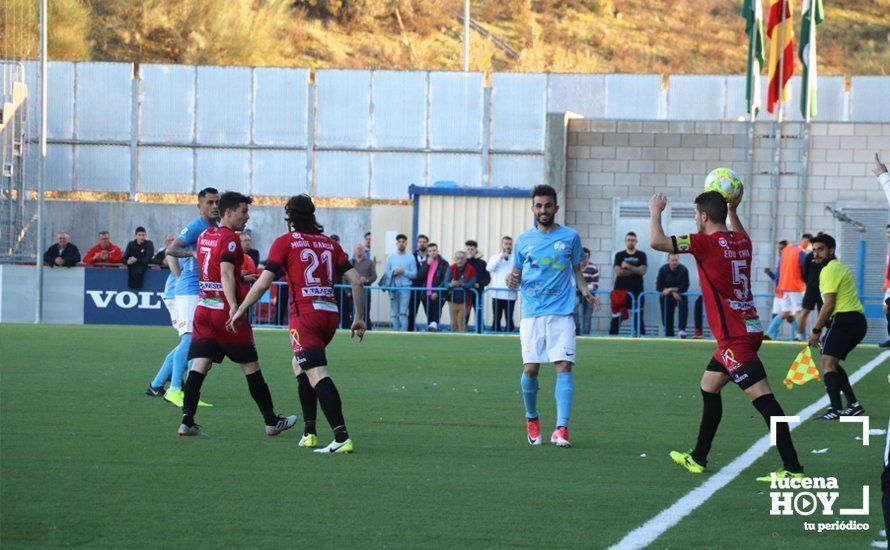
38, 314
466, 35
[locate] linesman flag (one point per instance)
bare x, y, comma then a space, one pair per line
781, 52
802, 370
752, 11
813, 14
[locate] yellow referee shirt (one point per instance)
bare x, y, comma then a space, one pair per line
835, 278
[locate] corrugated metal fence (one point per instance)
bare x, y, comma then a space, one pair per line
351, 133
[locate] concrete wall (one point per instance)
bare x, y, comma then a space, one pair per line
83, 221
610, 160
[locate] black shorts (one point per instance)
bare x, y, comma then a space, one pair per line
240, 353
844, 333
812, 298
746, 375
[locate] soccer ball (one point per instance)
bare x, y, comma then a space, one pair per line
725, 182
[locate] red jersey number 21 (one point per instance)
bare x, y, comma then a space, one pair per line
739, 278
312, 258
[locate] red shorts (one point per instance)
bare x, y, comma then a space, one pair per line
210, 339
311, 330
737, 357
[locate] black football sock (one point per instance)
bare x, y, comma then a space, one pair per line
833, 389
308, 402
769, 407
190, 399
845, 386
712, 412
332, 408
259, 390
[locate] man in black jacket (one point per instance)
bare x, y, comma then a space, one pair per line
63, 253
137, 256
420, 256
483, 278
672, 282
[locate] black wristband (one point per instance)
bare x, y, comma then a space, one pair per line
817, 330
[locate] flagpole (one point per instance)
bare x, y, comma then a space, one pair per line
752, 80
777, 152
811, 75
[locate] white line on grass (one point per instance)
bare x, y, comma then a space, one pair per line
646, 534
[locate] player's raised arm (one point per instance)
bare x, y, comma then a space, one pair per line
733, 206
259, 288
657, 239
358, 298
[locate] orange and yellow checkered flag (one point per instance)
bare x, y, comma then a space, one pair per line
802, 370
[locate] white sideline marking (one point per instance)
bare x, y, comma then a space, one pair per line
646, 534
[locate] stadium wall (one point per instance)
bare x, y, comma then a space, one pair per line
610, 163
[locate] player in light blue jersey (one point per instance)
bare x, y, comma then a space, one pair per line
186, 288
156, 387
547, 270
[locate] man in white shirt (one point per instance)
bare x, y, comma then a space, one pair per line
503, 301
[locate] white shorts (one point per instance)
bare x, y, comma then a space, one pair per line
789, 303
171, 309
547, 339
185, 312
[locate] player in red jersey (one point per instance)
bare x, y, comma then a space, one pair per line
220, 258
311, 260
724, 269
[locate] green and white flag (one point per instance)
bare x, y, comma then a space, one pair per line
813, 13
752, 11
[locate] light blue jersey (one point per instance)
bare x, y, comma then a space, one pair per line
547, 262
170, 287
187, 284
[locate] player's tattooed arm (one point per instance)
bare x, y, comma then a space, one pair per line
177, 250
258, 289
733, 207
657, 239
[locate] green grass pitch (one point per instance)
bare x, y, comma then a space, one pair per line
441, 460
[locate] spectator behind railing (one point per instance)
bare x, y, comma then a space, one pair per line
462, 276
503, 301
399, 272
105, 252
629, 266
419, 259
583, 308
158, 258
368, 272
137, 256
433, 274
63, 253
252, 252
474, 258
673, 283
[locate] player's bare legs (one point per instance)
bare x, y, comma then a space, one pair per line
836, 381
529, 385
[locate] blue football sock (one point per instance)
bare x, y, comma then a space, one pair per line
180, 360
530, 395
773, 330
794, 329
565, 391
165, 371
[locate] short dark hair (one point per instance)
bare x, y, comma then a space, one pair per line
230, 201
509, 238
422, 236
807, 236
401, 236
335, 237
207, 191
432, 244
630, 234
783, 242
714, 205
140, 229
367, 234
825, 239
544, 190
585, 250
471, 242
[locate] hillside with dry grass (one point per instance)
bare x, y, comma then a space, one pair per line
632, 36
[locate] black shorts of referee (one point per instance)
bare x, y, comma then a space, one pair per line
845, 331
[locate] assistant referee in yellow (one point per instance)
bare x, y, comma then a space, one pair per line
844, 318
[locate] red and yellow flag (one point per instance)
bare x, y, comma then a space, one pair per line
802, 370
781, 52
